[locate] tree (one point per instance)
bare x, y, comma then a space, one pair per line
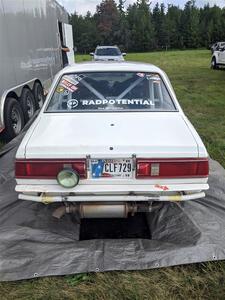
190, 22
85, 32
107, 17
160, 25
121, 6
173, 19
123, 33
140, 28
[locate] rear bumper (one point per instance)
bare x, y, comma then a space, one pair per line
112, 193
45, 198
112, 188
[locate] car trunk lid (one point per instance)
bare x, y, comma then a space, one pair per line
109, 135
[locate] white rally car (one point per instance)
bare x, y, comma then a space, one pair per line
111, 139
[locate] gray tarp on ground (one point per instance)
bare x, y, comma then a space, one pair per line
33, 244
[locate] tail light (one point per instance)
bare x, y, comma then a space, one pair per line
172, 168
48, 169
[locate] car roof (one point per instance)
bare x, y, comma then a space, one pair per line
93, 66
103, 47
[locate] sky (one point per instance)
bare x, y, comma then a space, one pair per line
82, 6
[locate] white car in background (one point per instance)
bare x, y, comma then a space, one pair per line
218, 58
111, 139
107, 53
217, 46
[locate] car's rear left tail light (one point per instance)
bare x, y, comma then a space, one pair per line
172, 168
48, 169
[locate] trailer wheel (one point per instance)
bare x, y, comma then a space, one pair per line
38, 95
14, 119
28, 104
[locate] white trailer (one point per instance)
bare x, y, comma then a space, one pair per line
31, 34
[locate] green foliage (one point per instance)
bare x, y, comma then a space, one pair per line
85, 32
142, 27
107, 19
161, 26
76, 279
190, 25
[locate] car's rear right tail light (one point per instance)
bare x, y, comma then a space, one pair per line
48, 169
172, 168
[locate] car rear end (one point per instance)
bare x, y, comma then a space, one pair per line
114, 155
127, 182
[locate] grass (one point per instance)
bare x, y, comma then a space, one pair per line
201, 281
201, 93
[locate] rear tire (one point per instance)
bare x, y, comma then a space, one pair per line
14, 119
214, 64
28, 104
38, 95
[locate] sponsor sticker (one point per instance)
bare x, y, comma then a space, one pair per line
79, 77
142, 75
60, 89
72, 103
153, 77
161, 187
70, 86
116, 102
72, 79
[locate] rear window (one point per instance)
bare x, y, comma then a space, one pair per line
108, 52
110, 91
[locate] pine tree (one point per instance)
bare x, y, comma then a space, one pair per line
141, 25
190, 17
160, 25
173, 26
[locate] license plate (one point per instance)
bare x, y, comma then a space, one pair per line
111, 168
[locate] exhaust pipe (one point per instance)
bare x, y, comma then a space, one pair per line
104, 210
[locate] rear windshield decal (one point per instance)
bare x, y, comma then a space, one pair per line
117, 102
69, 85
111, 91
